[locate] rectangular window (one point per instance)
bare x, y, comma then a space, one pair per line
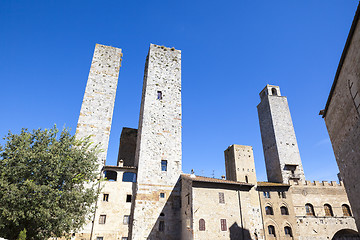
223, 224
282, 194
159, 95
99, 238
126, 219
161, 226
106, 197
128, 198
102, 219
164, 165
266, 194
124, 238
221, 197
162, 195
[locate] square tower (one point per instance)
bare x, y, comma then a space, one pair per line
282, 157
156, 212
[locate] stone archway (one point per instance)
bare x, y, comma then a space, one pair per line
346, 234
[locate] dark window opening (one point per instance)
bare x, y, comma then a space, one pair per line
110, 175
266, 194
162, 195
246, 179
288, 231
161, 226
284, 210
346, 210
269, 210
328, 210
309, 210
271, 230
102, 219
129, 177
164, 165
99, 238
223, 224
126, 219
282, 194
274, 92
221, 197
128, 198
159, 95
162, 214
201, 225
106, 197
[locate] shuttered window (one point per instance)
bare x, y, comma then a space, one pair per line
223, 224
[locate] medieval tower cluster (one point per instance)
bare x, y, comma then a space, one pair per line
147, 196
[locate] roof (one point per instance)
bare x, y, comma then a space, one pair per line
342, 59
272, 184
215, 180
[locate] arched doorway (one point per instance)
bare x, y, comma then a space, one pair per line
346, 234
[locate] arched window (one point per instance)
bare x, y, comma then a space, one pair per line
269, 210
284, 210
162, 215
274, 92
271, 230
129, 177
288, 231
110, 175
309, 210
201, 225
328, 210
346, 210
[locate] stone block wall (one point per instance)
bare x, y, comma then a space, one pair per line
99, 98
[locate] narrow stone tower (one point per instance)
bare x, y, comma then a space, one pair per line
240, 167
282, 157
156, 208
99, 98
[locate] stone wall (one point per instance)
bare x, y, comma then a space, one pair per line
127, 147
99, 98
156, 214
342, 116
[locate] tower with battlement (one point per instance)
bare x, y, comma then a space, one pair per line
99, 98
282, 157
158, 152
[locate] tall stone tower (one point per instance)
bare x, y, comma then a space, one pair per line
158, 152
99, 98
282, 157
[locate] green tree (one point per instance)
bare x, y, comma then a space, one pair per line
47, 183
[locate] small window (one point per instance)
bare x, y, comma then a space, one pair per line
274, 92
223, 224
126, 219
162, 214
161, 226
162, 195
164, 165
128, 198
328, 210
201, 225
159, 95
246, 179
284, 210
271, 230
129, 177
288, 231
346, 210
106, 197
221, 197
110, 175
266, 194
124, 238
102, 219
309, 210
282, 194
269, 210
99, 238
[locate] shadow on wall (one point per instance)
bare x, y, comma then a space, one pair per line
168, 223
346, 234
239, 233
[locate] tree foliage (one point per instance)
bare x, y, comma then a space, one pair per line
47, 183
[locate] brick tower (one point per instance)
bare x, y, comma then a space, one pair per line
282, 157
156, 208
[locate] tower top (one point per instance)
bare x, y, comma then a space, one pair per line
270, 90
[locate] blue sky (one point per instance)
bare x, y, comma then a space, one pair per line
230, 51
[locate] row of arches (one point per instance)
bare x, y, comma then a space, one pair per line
126, 177
283, 210
309, 210
287, 230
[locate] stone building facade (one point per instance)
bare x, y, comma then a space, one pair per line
146, 196
342, 116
